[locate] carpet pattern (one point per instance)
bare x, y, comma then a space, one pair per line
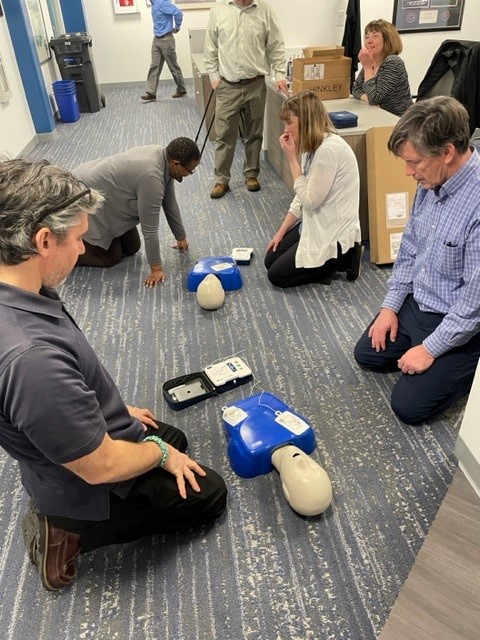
264, 572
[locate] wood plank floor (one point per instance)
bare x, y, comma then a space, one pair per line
440, 599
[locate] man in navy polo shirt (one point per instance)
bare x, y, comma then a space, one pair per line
98, 471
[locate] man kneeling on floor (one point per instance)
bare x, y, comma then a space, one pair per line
97, 471
429, 323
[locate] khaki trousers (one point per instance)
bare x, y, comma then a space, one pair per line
237, 103
163, 50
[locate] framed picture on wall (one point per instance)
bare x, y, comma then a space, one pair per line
427, 15
125, 6
39, 29
193, 4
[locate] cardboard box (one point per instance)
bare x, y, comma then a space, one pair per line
329, 50
327, 77
321, 68
325, 89
390, 196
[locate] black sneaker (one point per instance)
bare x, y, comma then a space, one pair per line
353, 261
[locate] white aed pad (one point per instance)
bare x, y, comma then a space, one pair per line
230, 369
242, 255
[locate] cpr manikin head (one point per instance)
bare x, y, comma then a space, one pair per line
305, 484
210, 293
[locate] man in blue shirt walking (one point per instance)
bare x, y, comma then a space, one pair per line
429, 323
167, 20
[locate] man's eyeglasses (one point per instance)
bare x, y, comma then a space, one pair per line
87, 191
186, 168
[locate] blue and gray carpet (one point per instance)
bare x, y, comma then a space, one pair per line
264, 573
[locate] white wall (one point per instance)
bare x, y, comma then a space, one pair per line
468, 442
16, 125
121, 43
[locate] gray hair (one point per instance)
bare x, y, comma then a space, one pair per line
29, 189
430, 125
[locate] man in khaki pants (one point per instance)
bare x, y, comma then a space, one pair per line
167, 20
243, 43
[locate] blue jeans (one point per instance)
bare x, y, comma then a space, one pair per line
421, 396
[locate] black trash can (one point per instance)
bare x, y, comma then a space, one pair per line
72, 52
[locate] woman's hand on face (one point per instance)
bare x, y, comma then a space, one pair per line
287, 144
365, 57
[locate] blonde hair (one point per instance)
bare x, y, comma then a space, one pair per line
313, 120
392, 43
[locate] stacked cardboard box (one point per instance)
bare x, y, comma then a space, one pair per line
327, 73
390, 196
327, 51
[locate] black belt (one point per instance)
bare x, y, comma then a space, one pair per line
165, 35
245, 81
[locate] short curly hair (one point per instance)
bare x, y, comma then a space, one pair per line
184, 150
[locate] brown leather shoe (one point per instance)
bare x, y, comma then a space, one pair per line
219, 190
148, 96
252, 184
52, 550
179, 94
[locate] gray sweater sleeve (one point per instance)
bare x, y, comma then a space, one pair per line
153, 193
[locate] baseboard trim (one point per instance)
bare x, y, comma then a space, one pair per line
139, 83
36, 140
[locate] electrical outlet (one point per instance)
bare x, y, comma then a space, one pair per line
340, 18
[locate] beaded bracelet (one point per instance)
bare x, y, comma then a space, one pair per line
162, 446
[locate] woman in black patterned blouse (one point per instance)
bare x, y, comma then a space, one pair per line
383, 80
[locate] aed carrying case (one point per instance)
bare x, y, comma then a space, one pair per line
184, 391
343, 119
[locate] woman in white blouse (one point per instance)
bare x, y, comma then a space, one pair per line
320, 234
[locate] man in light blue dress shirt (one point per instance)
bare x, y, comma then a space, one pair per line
429, 323
167, 20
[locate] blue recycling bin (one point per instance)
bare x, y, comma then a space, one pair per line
65, 93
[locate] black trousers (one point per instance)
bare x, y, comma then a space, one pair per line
421, 396
281, 269
125, 245
153, 505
